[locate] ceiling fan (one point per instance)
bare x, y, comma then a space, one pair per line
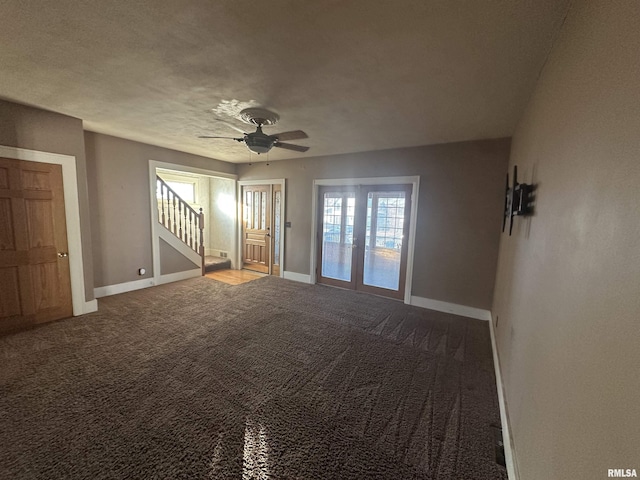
258, 141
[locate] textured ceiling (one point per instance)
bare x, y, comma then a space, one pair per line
355, 75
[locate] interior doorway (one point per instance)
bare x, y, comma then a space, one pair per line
262, 211
214, 192
363, 233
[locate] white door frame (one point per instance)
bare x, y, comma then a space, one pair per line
72, 215
277, 181
412, 180
159, 279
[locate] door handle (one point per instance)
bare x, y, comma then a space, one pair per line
63, 254
267, 234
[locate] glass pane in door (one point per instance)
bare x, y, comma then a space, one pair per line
248, 204
383, 239
337, 235
276, 228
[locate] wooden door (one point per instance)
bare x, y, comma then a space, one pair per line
34, 265
256, 228
362, 237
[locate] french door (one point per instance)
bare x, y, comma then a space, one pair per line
261, 228
363, 233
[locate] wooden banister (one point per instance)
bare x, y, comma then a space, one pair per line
181, 219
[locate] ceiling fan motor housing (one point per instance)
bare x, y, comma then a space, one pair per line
259, 142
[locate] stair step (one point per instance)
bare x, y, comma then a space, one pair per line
212, 263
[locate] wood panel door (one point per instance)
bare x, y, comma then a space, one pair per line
256, 227
34, 266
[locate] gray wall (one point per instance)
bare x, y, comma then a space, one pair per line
222, 234
118, 176
459, 217
172, 261
35, 129
567, 293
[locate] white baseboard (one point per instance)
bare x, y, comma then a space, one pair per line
176, 277
297, 277
454, 308
504, 417
107, 290
90, 306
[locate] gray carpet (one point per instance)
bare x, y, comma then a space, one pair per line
269, 379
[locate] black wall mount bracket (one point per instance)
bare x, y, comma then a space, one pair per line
518, 201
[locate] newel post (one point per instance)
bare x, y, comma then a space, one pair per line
201, 247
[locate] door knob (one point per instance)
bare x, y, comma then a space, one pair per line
63, 254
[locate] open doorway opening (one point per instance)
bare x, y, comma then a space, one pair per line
193, 222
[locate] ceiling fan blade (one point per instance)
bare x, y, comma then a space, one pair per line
289, 146
230, 138
293, 135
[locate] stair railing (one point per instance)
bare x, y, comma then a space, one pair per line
181, 219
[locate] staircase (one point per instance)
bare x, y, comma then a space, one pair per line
179, 218
212, 263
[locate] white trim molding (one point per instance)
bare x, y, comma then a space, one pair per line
408, 180
297, 277
179, 246
91, 306
107, 290
198, 171
176, 277
125, 287
509, 456
72, 215
454, 308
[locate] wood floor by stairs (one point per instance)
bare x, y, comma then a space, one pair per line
234, 277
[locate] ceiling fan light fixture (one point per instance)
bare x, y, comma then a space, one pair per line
259, 142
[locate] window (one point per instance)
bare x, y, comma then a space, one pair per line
185, 190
